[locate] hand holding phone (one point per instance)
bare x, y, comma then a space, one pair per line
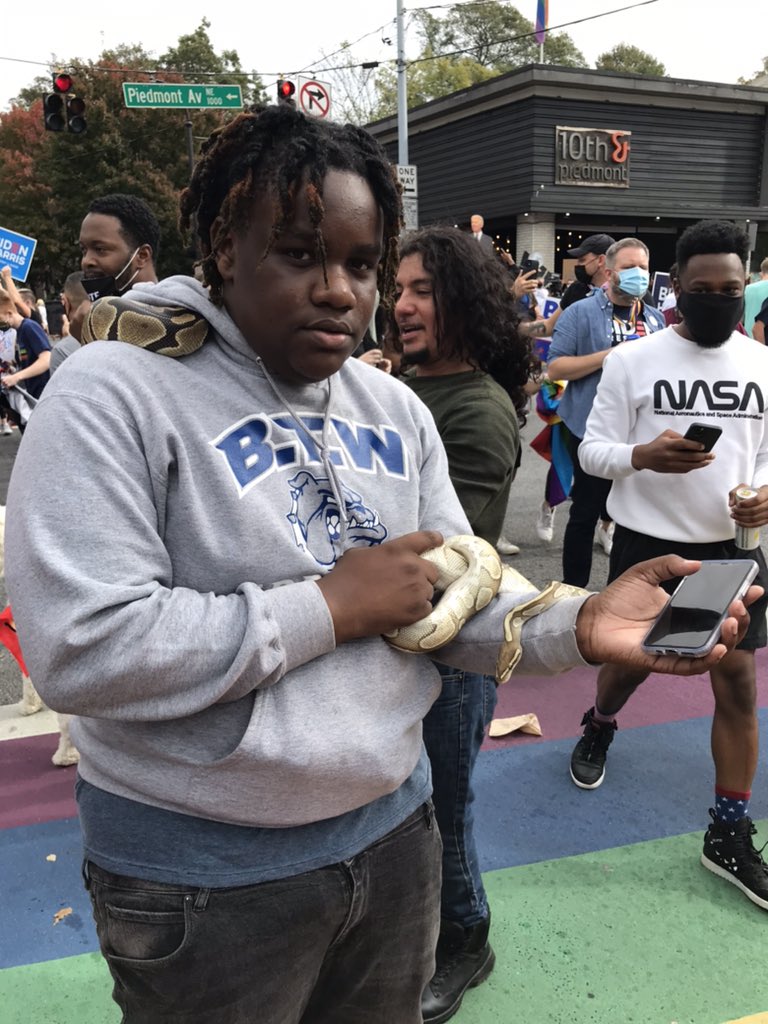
611, 626
670, 452
690, 622
704, 434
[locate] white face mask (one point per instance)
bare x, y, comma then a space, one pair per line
133, 275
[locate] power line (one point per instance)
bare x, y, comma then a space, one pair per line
254, 76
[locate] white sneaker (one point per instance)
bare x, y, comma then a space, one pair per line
506, 547
604, 537
7, 429
545, 522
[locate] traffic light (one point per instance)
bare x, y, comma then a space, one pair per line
75, 115
62, 109
53, 111
285, 90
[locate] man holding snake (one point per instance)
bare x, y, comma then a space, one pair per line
202, 565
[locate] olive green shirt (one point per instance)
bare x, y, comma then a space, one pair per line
478, 425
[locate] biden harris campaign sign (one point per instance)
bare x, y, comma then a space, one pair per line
16, 252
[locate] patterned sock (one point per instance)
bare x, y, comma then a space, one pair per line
730, 805
599, 716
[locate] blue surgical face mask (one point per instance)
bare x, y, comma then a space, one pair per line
634, 281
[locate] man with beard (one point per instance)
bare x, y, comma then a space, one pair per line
458, 325
684, 371
119, 243
585, 334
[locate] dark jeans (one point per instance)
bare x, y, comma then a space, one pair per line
343, 944
453, 731
588, 497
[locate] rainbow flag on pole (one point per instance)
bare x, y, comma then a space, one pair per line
542, 17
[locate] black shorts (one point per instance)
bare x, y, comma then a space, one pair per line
630, 547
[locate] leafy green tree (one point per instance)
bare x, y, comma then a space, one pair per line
631, 59
47, 179
497, 36
195, 55
472, 43
427, 80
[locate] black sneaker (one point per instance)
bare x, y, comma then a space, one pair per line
589, 754
464, 958
730, 853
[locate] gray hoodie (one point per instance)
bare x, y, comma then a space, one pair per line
166, 520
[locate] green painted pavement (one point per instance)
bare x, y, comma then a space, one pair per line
639, 934
77, 990
633, 935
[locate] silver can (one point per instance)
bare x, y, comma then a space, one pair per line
747, 537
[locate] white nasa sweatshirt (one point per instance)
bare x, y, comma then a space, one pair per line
667, 382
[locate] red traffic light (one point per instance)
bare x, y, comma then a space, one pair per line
62, 82
285, 89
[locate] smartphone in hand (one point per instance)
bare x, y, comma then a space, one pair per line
704, 434
690, 622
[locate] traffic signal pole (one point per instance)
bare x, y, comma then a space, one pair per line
402, 92
190, 140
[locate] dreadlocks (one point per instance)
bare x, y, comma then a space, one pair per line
278, 150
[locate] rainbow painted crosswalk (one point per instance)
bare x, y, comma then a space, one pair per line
602, 913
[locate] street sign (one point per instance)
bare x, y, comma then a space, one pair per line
181, 95
408, 179
16, 252
314, 97
410, 213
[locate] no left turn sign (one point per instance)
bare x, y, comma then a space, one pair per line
314, 97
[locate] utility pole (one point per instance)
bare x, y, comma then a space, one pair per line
402, 92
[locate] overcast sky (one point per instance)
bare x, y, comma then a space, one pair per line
701, 39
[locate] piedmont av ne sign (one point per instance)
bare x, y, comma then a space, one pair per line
172, 94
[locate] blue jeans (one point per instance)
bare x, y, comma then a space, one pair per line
351, 942
453, 732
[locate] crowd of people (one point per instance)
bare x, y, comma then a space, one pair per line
276, 802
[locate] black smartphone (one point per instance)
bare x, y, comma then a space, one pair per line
690, 622
704, 434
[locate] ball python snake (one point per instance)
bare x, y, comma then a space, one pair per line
470, 572
470, 575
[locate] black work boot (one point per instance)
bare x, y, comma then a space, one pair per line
464, 959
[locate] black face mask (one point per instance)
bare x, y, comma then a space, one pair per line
581, 275
99, 285
710, 317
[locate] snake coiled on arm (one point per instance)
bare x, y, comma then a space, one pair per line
471, 573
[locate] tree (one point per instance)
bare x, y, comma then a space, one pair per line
194, 55
631, 59
47, 178
497, 36
471, 44
428, 79
354, 93
759, 78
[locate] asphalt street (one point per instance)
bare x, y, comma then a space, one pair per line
538, 561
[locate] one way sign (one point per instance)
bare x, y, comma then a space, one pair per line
314, 97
